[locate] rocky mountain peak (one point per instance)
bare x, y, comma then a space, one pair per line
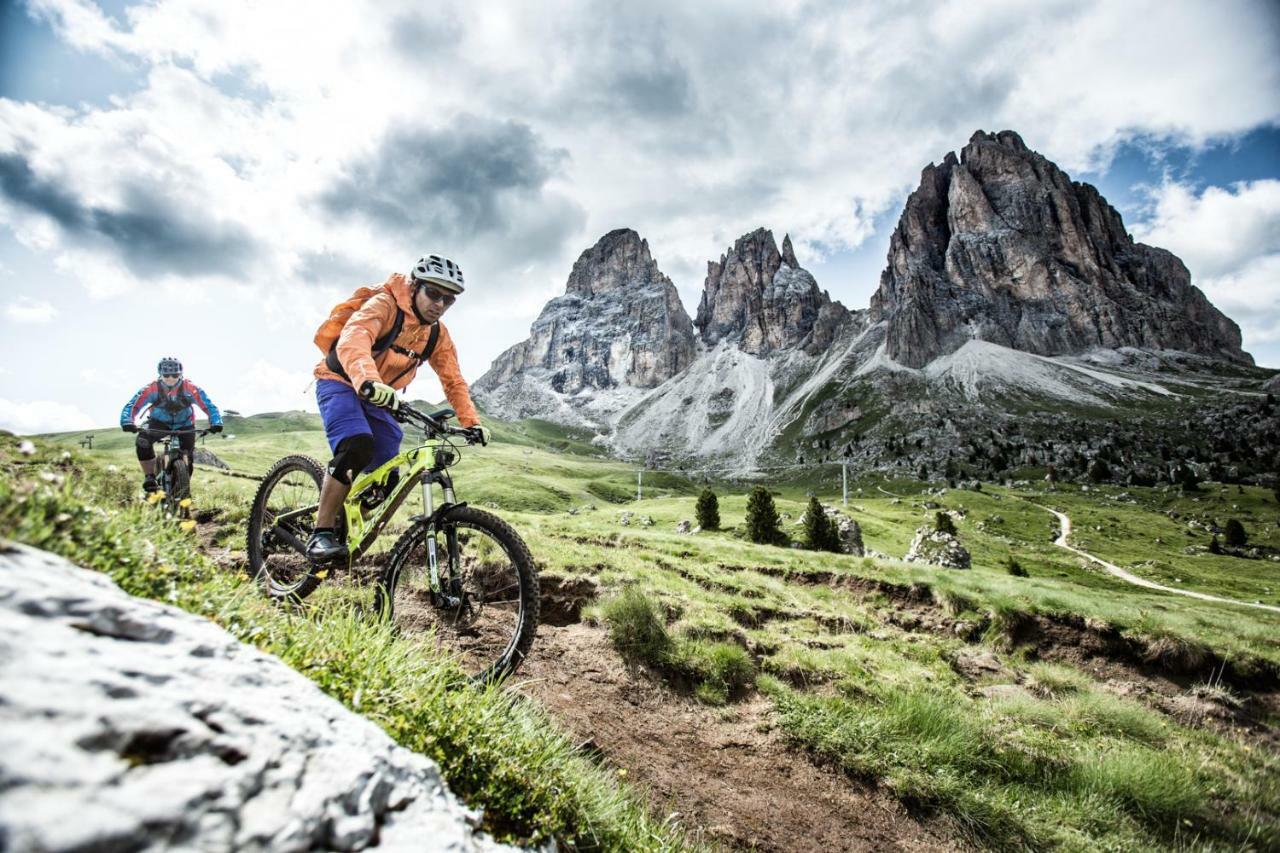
761, 299
620, 322
618, 259
1001, 245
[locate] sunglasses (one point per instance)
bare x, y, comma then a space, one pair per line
437, 295
170, 375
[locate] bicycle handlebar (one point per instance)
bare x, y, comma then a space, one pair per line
433, 423
163, 432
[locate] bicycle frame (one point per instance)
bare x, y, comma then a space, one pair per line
362, 531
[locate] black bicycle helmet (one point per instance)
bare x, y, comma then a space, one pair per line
169, 364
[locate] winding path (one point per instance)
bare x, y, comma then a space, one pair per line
1129, 577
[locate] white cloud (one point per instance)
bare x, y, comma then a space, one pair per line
1217, 230
268, 387
79, 22
24, 309
691, 122
26, 417
1229, 238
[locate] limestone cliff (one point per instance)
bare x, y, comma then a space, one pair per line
1001, 245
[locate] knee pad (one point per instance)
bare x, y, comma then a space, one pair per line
144, 447
351, 457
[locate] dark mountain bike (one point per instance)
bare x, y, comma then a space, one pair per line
173, 469
459, 576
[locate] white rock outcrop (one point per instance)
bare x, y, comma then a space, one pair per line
937, 548
126, 724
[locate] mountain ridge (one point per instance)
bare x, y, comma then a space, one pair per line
1006, 285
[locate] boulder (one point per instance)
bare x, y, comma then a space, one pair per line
937, 548
209, 460
126, 724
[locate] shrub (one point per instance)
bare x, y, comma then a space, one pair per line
1214, 546
943, 524
1099, 471
1235, 535
636, 627
820, 530
762, 518
708, 510
720, 671
1015, 568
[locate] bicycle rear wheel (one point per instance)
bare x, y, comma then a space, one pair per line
284, 508
487, 612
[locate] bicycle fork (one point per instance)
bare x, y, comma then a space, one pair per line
433, 554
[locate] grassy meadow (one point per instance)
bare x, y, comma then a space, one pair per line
1060, 709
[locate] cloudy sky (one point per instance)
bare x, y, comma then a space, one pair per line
204, 178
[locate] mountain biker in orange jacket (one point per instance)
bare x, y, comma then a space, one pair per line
357, 394
172, 401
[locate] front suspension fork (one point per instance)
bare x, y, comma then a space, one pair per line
433, 555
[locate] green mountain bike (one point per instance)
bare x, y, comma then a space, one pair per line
458, 575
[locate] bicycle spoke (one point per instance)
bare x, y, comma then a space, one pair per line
481, 625
286, 513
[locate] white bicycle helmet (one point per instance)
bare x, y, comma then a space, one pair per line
438, 269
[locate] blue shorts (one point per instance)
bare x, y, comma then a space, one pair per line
345, 414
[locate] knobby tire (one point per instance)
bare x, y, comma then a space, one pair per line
516, 551
258, 524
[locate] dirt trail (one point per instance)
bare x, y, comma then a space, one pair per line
1129, 577
726, 772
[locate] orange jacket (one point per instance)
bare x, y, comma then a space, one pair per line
355, 349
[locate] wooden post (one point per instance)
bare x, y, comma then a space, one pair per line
844, 480
639, 474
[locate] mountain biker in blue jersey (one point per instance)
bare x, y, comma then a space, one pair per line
172, 401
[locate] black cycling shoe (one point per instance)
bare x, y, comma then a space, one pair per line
324, 547
149, 484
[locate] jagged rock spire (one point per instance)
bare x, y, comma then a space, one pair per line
1001, 245
763, 300
619, 322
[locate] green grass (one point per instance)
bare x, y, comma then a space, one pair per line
1028, 772
498, 752
1036, 754
717, 670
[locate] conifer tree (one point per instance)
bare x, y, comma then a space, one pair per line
943, 524
819, 529
708, 510
1235, 535
762, 518
1187, 479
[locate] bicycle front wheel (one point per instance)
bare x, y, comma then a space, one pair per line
177, 485
485, 613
